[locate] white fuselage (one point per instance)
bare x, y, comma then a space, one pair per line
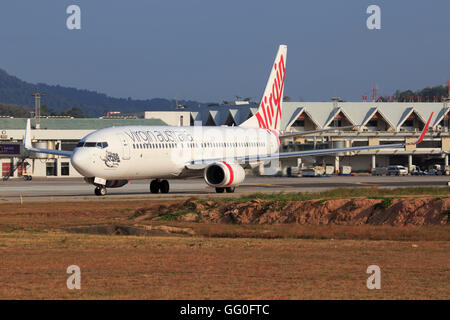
142, 152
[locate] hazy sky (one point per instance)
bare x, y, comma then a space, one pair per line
213, 50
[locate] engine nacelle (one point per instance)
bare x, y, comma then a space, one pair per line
223, 174
115, 183
109, 183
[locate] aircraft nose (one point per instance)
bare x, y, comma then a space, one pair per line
81, 161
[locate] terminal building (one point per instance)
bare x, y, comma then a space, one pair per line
374, 123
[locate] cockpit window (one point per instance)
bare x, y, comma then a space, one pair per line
90, 144
100, 145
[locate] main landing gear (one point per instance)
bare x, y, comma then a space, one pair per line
221, 190
100, 191
159, 186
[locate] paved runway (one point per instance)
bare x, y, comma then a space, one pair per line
76, 188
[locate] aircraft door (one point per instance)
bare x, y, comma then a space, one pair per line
125, 146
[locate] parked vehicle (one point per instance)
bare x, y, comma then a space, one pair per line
379, 171
418, 172
396, 170
313, 172
345, 170
447, 170
434, 172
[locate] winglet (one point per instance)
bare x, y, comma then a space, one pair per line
27, 139
423, 131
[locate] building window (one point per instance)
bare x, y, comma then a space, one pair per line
50, 169
408, 123
372, 123
299, 123
336, 123
64, 168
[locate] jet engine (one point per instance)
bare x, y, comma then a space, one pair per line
223, 174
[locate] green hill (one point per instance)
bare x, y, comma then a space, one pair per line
14, 91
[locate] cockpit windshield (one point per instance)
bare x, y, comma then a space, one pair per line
84, 144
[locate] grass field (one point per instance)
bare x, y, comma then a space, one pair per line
219, 262
34, 266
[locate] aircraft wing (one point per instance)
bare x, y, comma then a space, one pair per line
289, 155
199, 164
29, 147
305, 133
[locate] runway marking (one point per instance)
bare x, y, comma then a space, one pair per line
279, 185
262, 186
362, 184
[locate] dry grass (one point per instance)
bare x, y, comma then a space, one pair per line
221, 262
33, 266
318, 232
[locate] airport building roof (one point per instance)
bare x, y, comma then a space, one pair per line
360, 113
322, 114
75, 124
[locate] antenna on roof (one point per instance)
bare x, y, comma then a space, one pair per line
374, 92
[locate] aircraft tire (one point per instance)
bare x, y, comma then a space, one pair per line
164, 186
154, 186
230, 189
220, 190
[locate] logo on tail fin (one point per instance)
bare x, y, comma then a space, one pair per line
269, 111
268, 115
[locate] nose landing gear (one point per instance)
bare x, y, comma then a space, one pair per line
159, 186
100, 191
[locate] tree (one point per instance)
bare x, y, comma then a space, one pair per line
426, 93
74, 112
10, 110
46, 111
286, 99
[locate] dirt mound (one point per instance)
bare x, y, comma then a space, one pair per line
361, 211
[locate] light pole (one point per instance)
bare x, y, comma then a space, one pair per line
37, 107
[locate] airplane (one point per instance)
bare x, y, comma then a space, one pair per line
110, 157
